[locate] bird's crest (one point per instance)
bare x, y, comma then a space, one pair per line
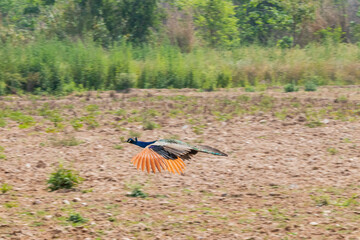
130, 140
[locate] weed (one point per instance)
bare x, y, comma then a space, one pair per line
87, 190
2, 122
37, 224
149, 125
5, 188
120, 112
2, 156
310, 86
281, 114
92, 108
11, 204
76, 123
321, 200
137, 192
332, 151
249, 89
291, 88
118, 147
313, 124
341, 99
76, 218
66, 141
63, 179
134, 134
198, 129
348, 202
24, 121
90, 121
277, 214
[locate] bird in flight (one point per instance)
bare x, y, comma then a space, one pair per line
167, 154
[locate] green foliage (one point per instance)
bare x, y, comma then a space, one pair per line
137, 192
249, 89
310, 86
217, 22
285, 42
331, 35
63, 179
76, 218
290, 87
5, 188
50, 66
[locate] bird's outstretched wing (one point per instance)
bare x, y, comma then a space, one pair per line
155, 157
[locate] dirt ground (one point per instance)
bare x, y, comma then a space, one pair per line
292, 170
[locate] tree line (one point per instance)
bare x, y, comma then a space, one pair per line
184, 23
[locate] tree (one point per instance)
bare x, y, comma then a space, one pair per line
217, 23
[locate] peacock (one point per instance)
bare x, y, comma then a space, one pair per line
167, 154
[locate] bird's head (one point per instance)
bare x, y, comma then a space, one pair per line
133, 141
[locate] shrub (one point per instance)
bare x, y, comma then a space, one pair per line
249, 89
63, 179
291, 88
76, 218
310, 86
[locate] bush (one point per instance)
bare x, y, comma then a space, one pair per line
76, 218
249, 89
310, 86
291, 88
63, 179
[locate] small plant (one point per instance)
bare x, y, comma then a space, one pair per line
63, 179
321, 200
5, 188
118, 147
66, 141
76, 218
137, 192
149, 125
249, 89
310, 86
332, 151
2, 122
76, 123
134, 134
2, 155
11, 204
341, 99
290, 87
313, 124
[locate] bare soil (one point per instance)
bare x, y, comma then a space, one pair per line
292, 170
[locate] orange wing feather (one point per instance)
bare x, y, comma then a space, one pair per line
151, 160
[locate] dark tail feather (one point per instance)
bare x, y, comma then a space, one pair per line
211, 150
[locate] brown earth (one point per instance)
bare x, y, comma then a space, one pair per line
292, 170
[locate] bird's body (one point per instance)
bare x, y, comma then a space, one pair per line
167, 154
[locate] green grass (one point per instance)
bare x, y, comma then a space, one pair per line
62, 67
